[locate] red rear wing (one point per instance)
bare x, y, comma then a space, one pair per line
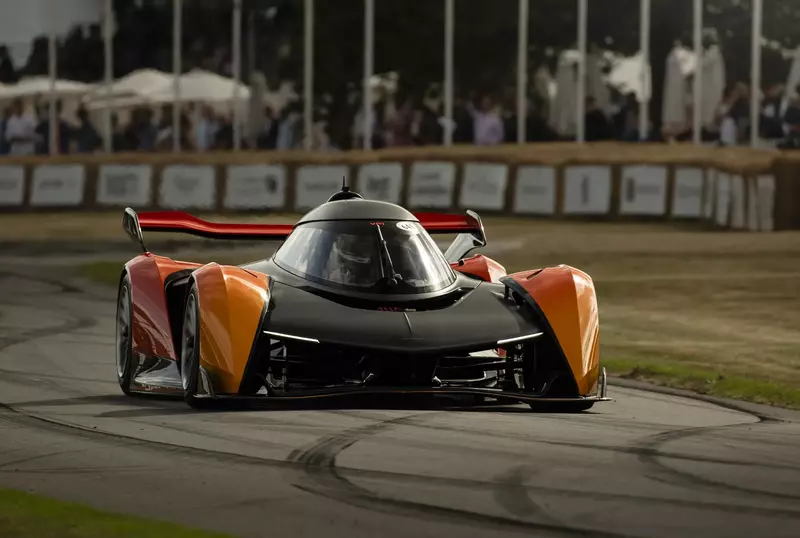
180, 222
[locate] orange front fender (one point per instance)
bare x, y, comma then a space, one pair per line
231, 302
567, 299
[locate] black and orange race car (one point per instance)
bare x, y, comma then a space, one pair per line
357, 299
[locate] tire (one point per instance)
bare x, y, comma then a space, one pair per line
124, 335
190, 349
561, 407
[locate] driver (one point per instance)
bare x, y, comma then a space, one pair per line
351, 261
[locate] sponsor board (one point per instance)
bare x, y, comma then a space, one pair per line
737, 202
188, 186
124, 184
587, 190
12, 185
380, 181
58, 185
687, 193
709, 191
535, 191
766, 203
316, 183
644, 190
432, 184
255, 186
722, 194
484, 186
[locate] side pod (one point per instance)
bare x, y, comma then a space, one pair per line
232, 303
565, 297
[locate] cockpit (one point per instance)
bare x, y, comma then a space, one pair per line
392, 256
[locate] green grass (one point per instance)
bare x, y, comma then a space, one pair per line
23, 515
713, 312
704, 381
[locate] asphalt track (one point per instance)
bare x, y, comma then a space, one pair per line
647, 464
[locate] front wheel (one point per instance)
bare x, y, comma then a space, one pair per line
124, 336
190, 349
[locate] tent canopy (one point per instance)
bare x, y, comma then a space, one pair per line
32, 86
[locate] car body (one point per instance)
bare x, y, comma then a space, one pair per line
357, 299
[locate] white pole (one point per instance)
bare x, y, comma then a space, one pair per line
177, 26
237, 73
644, 78
108, 36
449, 20
369, 53
580, 120
755, 73
697, 86
308, 79
51, 71
522, 71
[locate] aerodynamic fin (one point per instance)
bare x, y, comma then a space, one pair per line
180, 222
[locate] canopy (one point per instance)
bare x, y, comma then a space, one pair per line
199, 85
681, 62
626, 76
41, 86
564, 107
138, 83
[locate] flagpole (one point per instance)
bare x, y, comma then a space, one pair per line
697, 85
449, 16
177, 26
580, 121
108, 36
644, 49
369, 53
51, 73
755, 73
522, 70
236, 47
308, 68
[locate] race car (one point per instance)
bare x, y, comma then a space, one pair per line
357, 299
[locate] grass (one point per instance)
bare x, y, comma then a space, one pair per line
714, 312
23, 515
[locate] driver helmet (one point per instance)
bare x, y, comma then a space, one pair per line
352, 260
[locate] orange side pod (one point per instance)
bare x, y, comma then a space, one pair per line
231, 302
567, 298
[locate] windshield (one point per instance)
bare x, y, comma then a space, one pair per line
394, 257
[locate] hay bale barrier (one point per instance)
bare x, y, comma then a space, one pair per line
720, 188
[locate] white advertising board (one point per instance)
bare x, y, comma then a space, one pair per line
255, 186
737, 202
316, 183
687, 193
587, 190
124, 184
535, 191
188, 186
722, 194
58, 185
381, 181
644, 190
766, 203
432, 184
484, 186
12, 185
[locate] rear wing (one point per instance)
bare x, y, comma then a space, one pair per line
468, 226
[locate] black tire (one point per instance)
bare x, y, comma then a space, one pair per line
124, 335
190, 349
561, 407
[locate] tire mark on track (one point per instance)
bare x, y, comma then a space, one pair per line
319, 461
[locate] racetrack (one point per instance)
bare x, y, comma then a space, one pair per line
646, 464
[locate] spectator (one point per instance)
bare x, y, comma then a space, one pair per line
268, 137
287, 127
464, 132
64, 131
20, 130
771, 124
86, 136
8, 74
399, 125
488, 125
597, 125
627, 120
206, 129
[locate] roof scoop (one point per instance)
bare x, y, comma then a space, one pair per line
345, 193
